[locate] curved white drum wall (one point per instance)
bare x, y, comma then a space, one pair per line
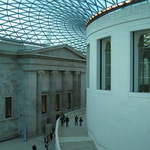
118, 119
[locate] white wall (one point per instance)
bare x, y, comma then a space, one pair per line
118, 119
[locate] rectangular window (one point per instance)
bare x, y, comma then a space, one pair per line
8, 107
104, 64
141, 61
44, 103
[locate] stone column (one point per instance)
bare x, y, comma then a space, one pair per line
65, 89
83, 89
64, 80
76, 89
40, 75
79, 89
53, 88
29, 102
63, 106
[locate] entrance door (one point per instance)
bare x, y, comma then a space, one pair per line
69, 100
57, 102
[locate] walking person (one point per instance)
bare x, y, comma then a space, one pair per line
67, 121
51, 136
53, 130
46, 142
76, 120
25, 134
80, 120
46, 146
34, 147
45, 139
62, 119
57, 116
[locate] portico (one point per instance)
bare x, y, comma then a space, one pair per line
48, 81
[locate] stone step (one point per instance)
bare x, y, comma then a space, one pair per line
72, 131
74, 139
85, 145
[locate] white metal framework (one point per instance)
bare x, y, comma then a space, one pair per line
48, 22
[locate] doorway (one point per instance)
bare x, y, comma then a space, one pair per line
57, 107
69, 100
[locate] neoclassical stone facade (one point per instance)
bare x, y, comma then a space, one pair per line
35, 85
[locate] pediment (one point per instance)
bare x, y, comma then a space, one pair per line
61, 52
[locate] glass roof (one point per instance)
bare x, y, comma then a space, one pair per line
48, 22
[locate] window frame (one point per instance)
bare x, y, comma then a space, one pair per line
134, 78
57, 102
101, 64
8, 107
69, 97
45, 110
88, 66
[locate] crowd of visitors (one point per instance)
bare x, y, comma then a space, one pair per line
78, 121
65, 120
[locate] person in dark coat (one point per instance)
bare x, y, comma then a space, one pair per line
67, 121
46, 146
45, 140
80, 120
51, 135
57, 116
34, 147
53, 130
62, 119
76, 120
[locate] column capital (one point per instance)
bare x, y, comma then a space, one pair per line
41, 72
76, 72
65, 71
54, 71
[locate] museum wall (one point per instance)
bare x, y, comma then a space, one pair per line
118, 119
8, 88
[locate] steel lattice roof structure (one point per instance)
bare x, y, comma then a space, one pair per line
48, 22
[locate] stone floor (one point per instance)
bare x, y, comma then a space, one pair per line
75, 137
19, 144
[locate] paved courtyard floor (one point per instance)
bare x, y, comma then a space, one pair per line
19, 144
75, 137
